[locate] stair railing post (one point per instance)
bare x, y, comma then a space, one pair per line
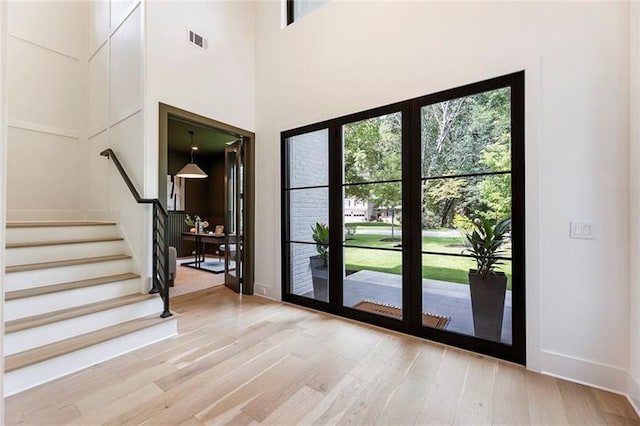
160, 253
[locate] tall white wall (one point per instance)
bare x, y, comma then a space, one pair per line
349, 56
3, 174
138, 57
46, 51
116, 117
634, 200
217, 83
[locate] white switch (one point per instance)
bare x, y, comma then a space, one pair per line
582, 230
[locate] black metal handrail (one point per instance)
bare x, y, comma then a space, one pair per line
160, 281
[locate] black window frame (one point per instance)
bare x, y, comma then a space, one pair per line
290, 12
412, 183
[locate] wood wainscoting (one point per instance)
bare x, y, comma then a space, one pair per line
185, 248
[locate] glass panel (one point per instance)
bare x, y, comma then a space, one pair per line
308, 159
467, 135
373, 149
447, 299
450, 205
373, 281
232, 229
306, 208
302, 7
373, 214
308, 272
448, 208
231, 191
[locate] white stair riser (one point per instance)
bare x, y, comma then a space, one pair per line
36, 374
39, 336
40, 277
36, 305
58, 233
26, 255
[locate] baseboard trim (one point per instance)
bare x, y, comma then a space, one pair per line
263, 290
590, 373
633, 393
44, 215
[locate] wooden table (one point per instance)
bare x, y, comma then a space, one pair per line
201, 239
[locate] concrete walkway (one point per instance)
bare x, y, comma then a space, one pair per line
438, 297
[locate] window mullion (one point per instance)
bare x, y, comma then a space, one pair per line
335, 215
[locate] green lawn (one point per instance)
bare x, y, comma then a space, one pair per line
443, 268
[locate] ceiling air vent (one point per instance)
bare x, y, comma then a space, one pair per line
197, 40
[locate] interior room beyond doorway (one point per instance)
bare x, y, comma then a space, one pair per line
196, 203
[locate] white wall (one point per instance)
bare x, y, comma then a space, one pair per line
3, 175
138, 57
217, 83
46, 105
349, 56
116, 118
634, 200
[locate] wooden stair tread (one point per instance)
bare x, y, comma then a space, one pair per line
78, 311
63, 347
62, 242
37, 291
46, 224
61, 263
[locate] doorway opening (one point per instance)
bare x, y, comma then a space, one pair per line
206, 182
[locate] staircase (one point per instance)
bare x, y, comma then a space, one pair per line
72, 301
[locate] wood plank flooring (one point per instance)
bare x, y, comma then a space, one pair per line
246, 360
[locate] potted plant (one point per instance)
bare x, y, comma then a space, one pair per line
487, 286
196, 224
319, 262
191, 223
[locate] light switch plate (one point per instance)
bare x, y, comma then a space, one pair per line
582, 230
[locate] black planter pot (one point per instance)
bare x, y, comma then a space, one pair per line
487, 303
319, 277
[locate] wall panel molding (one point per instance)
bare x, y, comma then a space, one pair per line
99, 25
33, 43
47, 123
93, 54
125, 117
126, 68
115, 25
99, 88
40, 128
59, 26
45, 165
96, 134
45, 87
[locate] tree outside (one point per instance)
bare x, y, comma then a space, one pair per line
465, 136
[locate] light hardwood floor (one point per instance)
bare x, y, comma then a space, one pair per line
246, 360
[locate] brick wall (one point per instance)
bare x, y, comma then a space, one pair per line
308, 166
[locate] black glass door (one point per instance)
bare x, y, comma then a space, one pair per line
234, 225
391, 215
469, 188
372, 278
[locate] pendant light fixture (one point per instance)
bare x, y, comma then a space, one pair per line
191, 170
